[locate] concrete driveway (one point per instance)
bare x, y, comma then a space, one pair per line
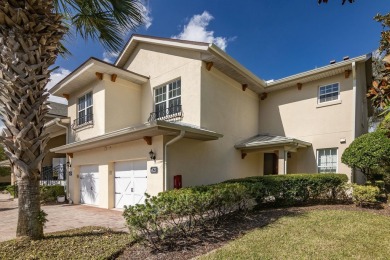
61, 217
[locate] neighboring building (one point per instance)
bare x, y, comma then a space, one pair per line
170, 107
56, 121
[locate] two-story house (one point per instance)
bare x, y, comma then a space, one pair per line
171, 111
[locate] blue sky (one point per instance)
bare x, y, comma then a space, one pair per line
273, 39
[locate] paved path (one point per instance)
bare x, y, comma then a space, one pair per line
61, 217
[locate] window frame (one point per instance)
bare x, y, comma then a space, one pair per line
318, 157
330, 101
165, 96
87, 119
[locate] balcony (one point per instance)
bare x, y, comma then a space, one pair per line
173, 113
83, 121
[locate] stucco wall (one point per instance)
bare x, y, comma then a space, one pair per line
162, 65
98, 126
122, 104
295, 113
105, 157
228, 110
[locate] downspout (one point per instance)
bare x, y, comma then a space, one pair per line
353, 112
67, 172
174, 140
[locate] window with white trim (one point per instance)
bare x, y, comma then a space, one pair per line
167, 99
85, 109
327, 160
329, 93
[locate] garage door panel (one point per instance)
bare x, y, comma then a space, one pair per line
130, 183
89, 184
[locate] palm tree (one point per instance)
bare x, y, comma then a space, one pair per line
31, 35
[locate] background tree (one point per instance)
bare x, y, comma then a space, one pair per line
4, 171
368, 153
31, 34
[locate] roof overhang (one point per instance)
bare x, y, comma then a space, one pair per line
315, 74
86, 74
270, 142
135, 133
57, 126
209, 53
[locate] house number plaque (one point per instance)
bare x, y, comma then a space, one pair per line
153, 169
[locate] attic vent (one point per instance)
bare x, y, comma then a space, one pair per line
332, 62
346, 58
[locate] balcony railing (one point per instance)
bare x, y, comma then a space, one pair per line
173, 113
81, 121
53, 175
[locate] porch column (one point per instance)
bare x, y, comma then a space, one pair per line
282, 162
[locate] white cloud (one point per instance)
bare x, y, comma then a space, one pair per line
196, 30
146, 13
110, 57
56, 77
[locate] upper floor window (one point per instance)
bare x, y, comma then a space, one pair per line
85, 108
329, 93
327, 160
167, 99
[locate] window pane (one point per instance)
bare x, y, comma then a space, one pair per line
327, 160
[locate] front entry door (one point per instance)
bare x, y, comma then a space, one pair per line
270, 164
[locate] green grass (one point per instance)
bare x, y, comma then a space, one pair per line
314, 235
82, 243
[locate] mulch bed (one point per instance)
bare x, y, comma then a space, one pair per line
232, 228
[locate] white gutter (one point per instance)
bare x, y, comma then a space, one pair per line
353, 101
57, 122
174, 140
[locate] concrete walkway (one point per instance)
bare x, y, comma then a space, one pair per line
61, 217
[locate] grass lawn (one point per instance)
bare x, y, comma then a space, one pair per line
82, 243
320, 234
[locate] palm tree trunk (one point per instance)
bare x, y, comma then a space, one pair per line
30, 218
30, 34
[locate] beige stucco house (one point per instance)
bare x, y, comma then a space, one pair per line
170, 107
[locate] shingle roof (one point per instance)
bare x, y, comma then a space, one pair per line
58, 109
264, 140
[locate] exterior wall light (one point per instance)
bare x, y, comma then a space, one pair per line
152, 155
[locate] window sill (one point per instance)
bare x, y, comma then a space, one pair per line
85, 125
329, 103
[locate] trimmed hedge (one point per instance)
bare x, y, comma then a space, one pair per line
366, 195
178, 213
163, 218
292, 189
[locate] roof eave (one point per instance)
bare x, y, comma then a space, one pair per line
323, 69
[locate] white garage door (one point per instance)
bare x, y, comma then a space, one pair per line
130, 183
89, 184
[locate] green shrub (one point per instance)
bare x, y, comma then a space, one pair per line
163, 218
368, 153
3, 186
365, 195
13, 190
50, 193
295, 189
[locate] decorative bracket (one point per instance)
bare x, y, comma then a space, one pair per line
347, 73
70, 155
263, 95
99, 75
113, 77
299, 85
244, 87
209, 65
243, 155
67, 96
148, 140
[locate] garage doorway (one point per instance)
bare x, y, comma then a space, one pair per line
130, 183
89, 184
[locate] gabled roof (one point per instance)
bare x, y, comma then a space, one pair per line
265, 141
86, 73
209, 53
